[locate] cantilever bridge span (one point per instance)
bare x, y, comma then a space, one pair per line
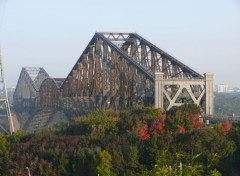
124, 70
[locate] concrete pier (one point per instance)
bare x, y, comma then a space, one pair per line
209, 93
158, 103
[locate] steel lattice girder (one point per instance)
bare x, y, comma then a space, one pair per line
118, 69
126, 39
28, 85
167, 56
49, 92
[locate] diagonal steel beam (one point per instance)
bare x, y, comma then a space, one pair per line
171, 58
125, 56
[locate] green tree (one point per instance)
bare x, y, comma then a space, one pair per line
234, 135
18, 136
131, 157
85, 161
104, 167
149, 152
4, 157
179, 117
102, 124
214, 173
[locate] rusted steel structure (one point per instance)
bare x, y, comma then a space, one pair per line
49, 92
28, 85
118, 70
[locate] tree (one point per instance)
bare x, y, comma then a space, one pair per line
84, 161
131, 157
104, 167
179, 119
101, 124
18, 136
184, 117
225, 128
159, 124
196, 120
143, 131
4, 157
171, 165
234, 135
149, 151
214, 172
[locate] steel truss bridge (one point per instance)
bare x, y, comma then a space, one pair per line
119, 71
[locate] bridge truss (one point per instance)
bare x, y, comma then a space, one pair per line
29, 82
123, 70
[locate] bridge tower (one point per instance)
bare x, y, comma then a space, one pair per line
4, 103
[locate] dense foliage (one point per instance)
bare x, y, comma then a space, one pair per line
227, 104
140, 142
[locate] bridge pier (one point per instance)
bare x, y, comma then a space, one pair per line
180, 91
209, 93
158, 90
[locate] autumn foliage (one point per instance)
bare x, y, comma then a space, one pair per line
157, 127
183, 121
196, 121
181, 130
143, 132
225, 128
159, 124
130, 143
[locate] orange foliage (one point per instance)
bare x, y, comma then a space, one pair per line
225, 128
159, 124
143, 132
114, 119
158, 127
181, 130
196, 120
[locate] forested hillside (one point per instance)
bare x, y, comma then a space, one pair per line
139, 142
227, 104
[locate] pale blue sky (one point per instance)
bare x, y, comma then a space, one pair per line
204, 34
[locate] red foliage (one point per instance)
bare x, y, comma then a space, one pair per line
143, 132
225, 128
181, 130
159, 124
196, 120
158, 127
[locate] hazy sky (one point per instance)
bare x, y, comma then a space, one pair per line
203, 34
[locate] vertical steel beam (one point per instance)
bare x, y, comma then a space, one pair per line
144, 56
105, 71
97, 69
84, 79
153, 61
79, 79
165, 68
112, 75
90, 70
74, 83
